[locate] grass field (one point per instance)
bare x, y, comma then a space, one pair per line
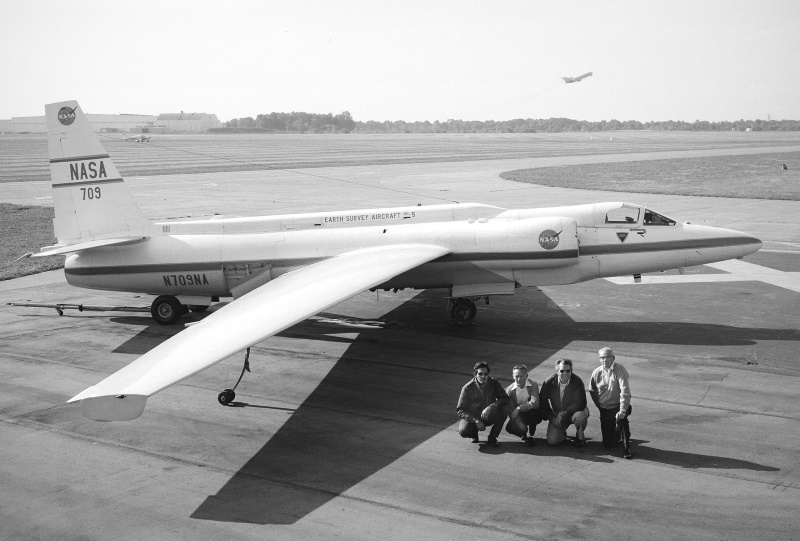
26, 229
752, 176
24, 157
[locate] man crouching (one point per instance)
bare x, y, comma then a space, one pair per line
563, 399
524, 405
483, 402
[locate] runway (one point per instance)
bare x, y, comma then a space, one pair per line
346, 426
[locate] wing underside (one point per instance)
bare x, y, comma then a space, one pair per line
248, 320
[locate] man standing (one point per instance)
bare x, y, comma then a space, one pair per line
563, 399
483, 402
611, 393
524, 405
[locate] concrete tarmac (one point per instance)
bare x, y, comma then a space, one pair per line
346, 426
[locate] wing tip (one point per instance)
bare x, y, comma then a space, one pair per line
112, 407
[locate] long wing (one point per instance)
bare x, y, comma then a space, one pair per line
257, 315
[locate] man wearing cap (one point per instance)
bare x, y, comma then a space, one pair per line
524, 405
483, 402
563, 399
611, 393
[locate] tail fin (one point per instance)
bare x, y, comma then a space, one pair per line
93, 206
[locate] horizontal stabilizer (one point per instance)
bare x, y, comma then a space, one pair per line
88, 245
113, 407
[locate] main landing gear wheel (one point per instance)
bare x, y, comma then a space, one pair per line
166, 310
463, 310
226, 397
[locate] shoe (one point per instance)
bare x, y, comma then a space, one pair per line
475, 439
493, 442
530, 442
627, 454
580, 442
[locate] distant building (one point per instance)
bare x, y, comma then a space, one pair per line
120, 123
188, 122
125, 123
28, 124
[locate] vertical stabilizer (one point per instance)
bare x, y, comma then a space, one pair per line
90, 198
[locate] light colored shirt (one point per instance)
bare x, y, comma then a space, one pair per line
526, 398
562, 386
612, 386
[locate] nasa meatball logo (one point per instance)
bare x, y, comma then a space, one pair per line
66, 115
548, 239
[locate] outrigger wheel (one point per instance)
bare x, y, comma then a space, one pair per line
226, 397
166, 309
463, 310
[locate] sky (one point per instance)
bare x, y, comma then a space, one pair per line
409, 60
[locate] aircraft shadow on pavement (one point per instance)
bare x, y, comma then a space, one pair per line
566, 449
248, 405
147, 338
374, 405
693, 460
538, 322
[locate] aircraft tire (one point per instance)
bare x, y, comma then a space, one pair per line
226, 397
166, 310
463, 310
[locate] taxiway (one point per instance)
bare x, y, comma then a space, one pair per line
346, 426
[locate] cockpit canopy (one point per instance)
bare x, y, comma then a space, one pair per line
629, 214
654, 218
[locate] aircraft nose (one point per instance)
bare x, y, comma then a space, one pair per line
721, 243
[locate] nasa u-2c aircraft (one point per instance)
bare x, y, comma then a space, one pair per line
280, 270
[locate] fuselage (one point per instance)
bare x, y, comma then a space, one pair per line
491, 249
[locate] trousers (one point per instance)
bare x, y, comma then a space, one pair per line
556, 435
470, 430
608, 426
529, 418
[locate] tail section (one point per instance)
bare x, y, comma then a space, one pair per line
93, 206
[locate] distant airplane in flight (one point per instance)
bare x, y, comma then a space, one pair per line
576, 79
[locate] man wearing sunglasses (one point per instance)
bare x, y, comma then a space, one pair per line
563, 399
611, 393
483, 402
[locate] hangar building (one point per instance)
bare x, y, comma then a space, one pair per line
164, 123
188, 122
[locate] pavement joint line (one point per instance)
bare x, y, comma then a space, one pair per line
312, 489
50, 428
720, 408
295, 486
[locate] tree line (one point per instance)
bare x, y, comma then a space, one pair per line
343, 123
293, 122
